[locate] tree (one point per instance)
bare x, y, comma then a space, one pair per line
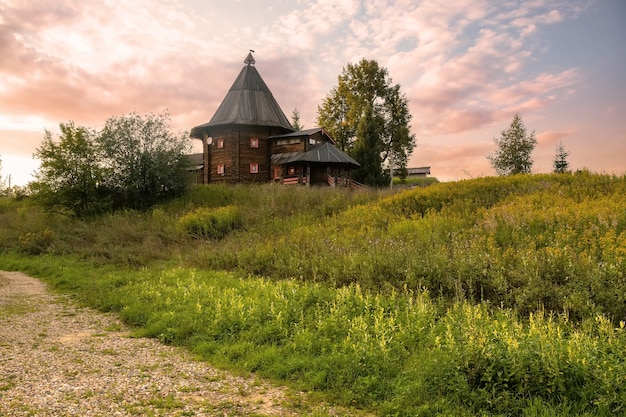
295, 120
514, 148
69, 176
561, 165
359, 86
367, 151
134, 162
145, 162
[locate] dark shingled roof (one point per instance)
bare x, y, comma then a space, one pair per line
248, 102
306, 132
196, 160
324, 152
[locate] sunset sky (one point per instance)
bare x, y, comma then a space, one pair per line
466, 67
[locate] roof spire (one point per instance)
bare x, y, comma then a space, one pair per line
249, 59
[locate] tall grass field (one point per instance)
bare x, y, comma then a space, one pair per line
488, 297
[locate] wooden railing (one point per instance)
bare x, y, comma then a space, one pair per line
346, 182
291, 180
357, 186
294, 180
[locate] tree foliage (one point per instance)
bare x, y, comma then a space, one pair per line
560, 164
367, 151
295, 120
145, 162
70, 176
359, 86
134, 162
514, 148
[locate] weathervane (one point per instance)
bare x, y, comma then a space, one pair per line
249, 59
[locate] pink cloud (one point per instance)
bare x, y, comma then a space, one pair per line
487, 74
554, 137
461, 161
19, 141
453, 120
66, 68
539, 86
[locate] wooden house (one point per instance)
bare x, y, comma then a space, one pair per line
249, 139
418, 172
309, 157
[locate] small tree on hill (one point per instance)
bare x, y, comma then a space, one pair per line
513, 155
295, 120
145, 162
561, 165
69, 176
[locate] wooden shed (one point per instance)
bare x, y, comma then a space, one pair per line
309, 157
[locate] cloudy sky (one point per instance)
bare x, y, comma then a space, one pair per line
466, 66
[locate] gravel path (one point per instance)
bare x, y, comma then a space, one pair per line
57, 359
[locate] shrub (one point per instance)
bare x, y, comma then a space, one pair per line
211, 223
35, 243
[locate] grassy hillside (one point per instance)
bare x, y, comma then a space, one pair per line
494, 296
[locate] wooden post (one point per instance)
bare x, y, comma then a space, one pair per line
205, 159
308, 175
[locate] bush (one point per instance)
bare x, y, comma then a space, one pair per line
35, 243
211, 223
134, 162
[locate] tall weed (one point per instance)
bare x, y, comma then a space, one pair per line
211, 223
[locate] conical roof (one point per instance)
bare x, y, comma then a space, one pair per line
248, 102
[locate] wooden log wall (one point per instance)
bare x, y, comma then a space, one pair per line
238, 154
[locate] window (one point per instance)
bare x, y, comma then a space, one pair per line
220, 143
221, 169
254, 168
290, 141
292, 170
277, 172
254, 142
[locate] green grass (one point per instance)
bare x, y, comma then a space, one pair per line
495, 296
415, 181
